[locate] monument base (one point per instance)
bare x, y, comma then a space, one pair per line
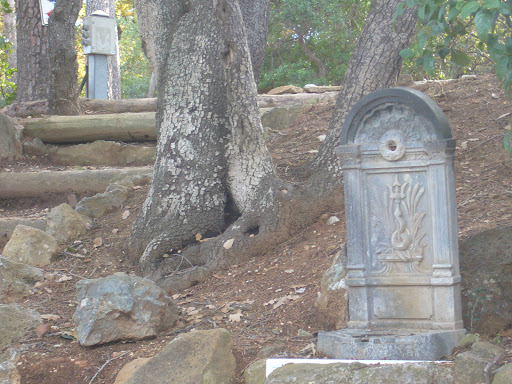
389, 345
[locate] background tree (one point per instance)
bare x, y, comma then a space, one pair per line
33, 79
311, 40
9, 31
63, 93
213, 177
487, 23
114, 75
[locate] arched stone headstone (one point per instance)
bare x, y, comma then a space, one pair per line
403, 269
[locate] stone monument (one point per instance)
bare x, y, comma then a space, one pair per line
403, 278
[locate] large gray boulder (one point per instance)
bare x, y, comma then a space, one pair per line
503, 375
15, 322
340, 373
65, 224
10, 145
486, 270
121, 307
102, 203
16, 279
198, 357
8, 371
30, 246
476, 365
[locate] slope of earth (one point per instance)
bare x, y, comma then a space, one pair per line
267, 304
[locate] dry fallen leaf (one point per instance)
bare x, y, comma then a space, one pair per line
115, 231
98, 242
198, 237
126, 214
228, 244
289, 271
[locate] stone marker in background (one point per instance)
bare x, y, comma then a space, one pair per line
403, 269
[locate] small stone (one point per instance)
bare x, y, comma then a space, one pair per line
42, 330
332, 220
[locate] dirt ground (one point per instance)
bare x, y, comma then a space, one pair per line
267, 303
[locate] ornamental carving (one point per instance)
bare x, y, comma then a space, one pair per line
402, 223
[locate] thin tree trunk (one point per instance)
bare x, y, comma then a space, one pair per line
256, 14
114, 74
322, 70
152, 85
63, 97
33, 78
10, 33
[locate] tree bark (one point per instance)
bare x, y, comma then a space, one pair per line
255, 15
33, 78
63, 96
213, 177
114, 73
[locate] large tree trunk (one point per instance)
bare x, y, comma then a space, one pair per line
213, 176
32, 53
255, 14
63, 97
114, 73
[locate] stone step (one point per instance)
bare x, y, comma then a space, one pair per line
33, 184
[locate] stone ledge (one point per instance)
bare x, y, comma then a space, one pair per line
389, 345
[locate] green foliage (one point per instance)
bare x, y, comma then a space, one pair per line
463, 33
135, 71
328, 28
486, 23
7, 87
299, 74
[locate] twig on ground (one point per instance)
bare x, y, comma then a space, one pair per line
105, 364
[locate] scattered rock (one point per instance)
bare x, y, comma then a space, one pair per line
285, 89
467, 339
15, 321
16, 279
8, 372
121, 307
64, 223
256, 372
486, 270
30, 246
10, 145
102, 203
43, 329
36, 147
405, 80
475, 366
311, 88
198, 357
104, 153
468, 77
131, 181
332, 220
503, 375
423, 372
129, 370
274, 350
7, 226
331, 302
